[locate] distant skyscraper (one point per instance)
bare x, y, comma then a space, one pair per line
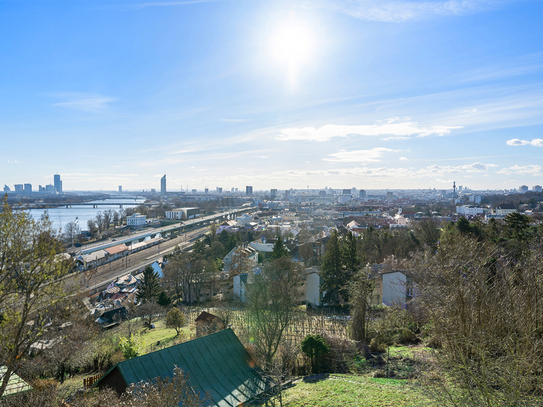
523, 188
273, 194
163, 185
219, 190
58, 183
362, 194
28, 188
19, 188
346, 192
6, 189
537, 188
390, 196
120, 188
248, 190
206, 191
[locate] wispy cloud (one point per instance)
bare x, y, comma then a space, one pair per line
534, 170
359, 156
84, 101
13, 162
400, 11
391, 127
536, 142
235, 120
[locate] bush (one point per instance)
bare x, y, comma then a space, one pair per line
132, 346
314, 346
377, 346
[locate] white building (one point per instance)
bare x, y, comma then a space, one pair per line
313, 293
244, 219
136, 221
182, 213
469, 210
397, 289
505, 209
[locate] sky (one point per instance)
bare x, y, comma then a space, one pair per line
371, 94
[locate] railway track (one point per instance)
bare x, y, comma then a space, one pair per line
93, 280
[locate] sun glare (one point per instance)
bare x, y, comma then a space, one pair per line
292, 46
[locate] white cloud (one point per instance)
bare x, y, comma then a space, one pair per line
522, 170
403, 158
399, 11
467, 168
390, 127
359, 156
84, 101
536, 142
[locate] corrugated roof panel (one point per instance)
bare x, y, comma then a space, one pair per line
217, 364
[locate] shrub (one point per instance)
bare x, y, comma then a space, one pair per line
314, 346
132, 346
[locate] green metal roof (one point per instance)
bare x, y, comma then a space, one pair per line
217, 364
15, 383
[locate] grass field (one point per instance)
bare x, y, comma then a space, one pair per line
162, 337
351, 390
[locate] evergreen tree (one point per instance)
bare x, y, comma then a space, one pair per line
149, 286
332, 269
279, 249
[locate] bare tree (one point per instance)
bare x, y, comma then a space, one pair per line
92, 226
30, 284
486, 311
179, 276
272, 298
71, 231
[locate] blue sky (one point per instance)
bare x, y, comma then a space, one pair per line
275, 94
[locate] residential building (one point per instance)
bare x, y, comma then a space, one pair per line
248, 190
273, 194
136, 221
58, 183
397, 289
362, 194
19, 188
469, 210
505, 209
28, 188
346, 192
163, 185
523, 189
6, 189
390, 196
219, 190
537, 188
313, 282
120, 188
241, 259
50, 189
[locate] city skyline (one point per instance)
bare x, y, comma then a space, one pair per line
376, 95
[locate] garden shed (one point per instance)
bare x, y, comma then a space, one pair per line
216, 364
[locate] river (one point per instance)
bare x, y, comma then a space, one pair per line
61, 216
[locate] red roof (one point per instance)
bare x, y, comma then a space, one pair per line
116, 249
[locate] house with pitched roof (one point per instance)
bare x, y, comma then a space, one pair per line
217, 365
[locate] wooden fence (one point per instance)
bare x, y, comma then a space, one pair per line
89, 381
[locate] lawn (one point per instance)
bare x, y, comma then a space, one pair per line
352, 390
161, 337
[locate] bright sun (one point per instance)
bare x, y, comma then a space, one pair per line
292, 46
